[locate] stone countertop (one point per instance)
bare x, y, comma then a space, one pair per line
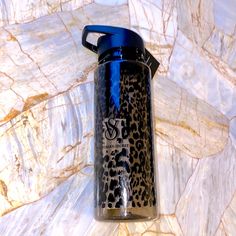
46, 118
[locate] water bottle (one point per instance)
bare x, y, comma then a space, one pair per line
125, 187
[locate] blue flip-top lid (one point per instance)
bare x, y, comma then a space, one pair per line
117, 37
113, 37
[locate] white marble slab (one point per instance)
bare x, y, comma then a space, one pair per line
229, 218
46, 118
156, 22
46, 56
187, 123
16, 12
208, 192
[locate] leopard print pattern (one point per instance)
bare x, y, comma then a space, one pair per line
124, 168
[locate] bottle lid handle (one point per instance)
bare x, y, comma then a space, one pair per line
102, 29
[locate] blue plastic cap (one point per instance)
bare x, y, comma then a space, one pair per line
113, 37
117, 37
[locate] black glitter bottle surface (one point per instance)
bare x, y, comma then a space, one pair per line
124, 154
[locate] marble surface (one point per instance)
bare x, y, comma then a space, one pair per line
46, 118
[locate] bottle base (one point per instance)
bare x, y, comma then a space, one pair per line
126, 214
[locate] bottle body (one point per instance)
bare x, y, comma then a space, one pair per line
124, 149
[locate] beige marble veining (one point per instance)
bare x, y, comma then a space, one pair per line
166, 225
195, 21
203, 59
186, 122
232, 130
193, 71
208, 191
156, 22
188, 48
15, 12
229, 218
46, 57
211, 25
220, 231
38, 151
174, 167
46, 118
69, 207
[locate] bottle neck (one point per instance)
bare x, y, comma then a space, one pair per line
121, 53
